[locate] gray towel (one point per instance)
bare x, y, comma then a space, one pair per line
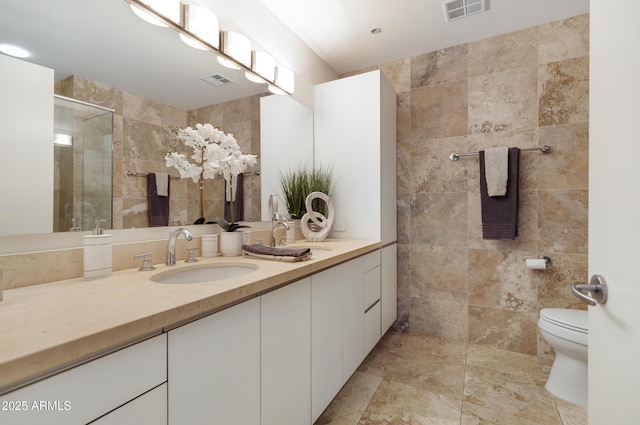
238, 200
496, 167
158, 205
278, 254
500, 213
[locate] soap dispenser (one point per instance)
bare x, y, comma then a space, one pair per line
97, 253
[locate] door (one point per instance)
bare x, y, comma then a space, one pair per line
614, 211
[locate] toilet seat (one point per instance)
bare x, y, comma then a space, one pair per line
573, 320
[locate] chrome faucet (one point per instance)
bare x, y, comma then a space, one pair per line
171, 250
272, 240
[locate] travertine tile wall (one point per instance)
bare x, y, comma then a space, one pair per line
142, 133
528, 88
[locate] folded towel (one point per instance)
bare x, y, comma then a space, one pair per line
496, 165
500, 213
278, 254
162, 184
158, 205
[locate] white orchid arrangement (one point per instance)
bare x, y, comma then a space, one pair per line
214, 153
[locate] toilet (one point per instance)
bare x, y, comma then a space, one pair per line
566, 331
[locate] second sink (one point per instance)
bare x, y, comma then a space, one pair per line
203, 273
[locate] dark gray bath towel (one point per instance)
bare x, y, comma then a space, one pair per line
158, 205
500, 213
238, 203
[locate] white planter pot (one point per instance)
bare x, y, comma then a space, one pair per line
231, 244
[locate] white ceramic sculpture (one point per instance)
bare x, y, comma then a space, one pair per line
324, 223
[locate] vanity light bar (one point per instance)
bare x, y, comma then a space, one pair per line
219, 51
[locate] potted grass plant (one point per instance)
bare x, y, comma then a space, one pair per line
298, 183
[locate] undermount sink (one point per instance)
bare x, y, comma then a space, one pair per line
203, 273
316, 248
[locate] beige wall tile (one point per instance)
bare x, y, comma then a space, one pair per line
496, 54
565, 39
448, 281
439, 111
554, 283
503, 101
442, 66
399, 74
434, 172
439, 219
563, 221
564, 92
568, 165
503, 108
501, 280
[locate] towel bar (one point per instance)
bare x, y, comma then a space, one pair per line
455, 156
135, 174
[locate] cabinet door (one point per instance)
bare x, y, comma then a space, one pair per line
372, 308
326, 338
214, 368
148, 409
353, 352
286, 355
389, 294
86, 392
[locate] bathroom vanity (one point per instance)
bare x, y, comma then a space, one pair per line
270, 347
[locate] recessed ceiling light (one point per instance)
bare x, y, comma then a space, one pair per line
376, 31
11, 50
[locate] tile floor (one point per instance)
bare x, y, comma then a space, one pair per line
420, 380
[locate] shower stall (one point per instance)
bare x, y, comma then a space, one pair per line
83, 165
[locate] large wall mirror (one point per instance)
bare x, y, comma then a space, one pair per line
102, 54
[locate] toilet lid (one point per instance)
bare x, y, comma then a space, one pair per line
576, 320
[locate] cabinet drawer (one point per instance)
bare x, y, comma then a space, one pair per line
371, 287
148, 409
88, 391
371, 260
372, 327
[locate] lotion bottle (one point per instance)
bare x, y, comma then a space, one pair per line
97, 254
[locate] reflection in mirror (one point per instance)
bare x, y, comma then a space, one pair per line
287, 143
103, 54
83, 163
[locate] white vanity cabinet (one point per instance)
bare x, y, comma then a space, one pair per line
389, 286
148, 409
372, 300
355, 133
286, 355
214, 368
91, 390
337, 330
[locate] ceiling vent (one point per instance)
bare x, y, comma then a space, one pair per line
217, 80
455, 9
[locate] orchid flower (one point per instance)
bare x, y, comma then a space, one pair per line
214, 153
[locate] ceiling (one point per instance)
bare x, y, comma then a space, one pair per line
339, 31
102, 40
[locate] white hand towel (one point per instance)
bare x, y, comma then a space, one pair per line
162, 184
496, 163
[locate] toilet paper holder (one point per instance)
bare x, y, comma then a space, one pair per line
537, 264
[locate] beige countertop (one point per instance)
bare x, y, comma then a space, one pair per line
46, 328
